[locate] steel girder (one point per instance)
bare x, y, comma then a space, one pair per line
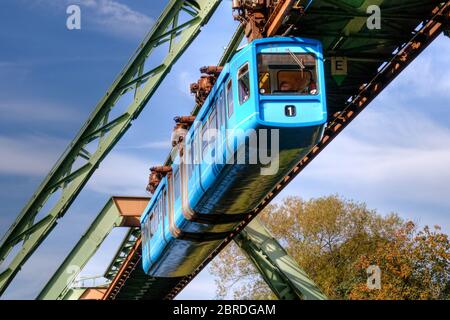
177, 27
114, 214
280, 271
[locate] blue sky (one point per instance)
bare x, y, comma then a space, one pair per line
394, 157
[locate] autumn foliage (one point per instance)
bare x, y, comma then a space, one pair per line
334, 241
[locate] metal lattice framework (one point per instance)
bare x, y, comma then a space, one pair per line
175, 30
118, 212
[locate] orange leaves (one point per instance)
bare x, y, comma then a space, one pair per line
335, 240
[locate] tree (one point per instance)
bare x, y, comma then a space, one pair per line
334, 240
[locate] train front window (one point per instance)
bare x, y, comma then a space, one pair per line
287, 73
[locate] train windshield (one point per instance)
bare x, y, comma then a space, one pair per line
287, 73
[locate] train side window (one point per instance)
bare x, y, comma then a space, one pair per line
204, 138
192, 155
149, 229
156, 218
244, 83
144, 232
212, 126
189, 157
152, 216
176, 184
196, 148
230, 102
164, 205
154, 221
221, 110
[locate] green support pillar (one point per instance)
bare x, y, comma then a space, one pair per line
280, 271
118, 212
176, 29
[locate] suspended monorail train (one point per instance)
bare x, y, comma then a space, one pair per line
271, 91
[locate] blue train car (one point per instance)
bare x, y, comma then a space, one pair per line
269, 102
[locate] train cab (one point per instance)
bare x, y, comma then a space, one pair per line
281, 80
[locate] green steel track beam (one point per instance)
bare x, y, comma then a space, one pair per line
114, 214
280, 271
122, 253
177, 27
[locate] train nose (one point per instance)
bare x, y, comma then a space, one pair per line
294, 113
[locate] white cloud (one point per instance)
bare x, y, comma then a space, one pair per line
107, 16
30, 155
121, 174
112, 16
395, 155
185, 79
160, 145
392, 158
34, 111
426, 76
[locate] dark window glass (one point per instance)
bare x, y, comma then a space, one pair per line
176, 184
221, 109
154, 220
212, 125
204, 138
230, 102
244, 84
189, 158
147, 226
287, 73
164, 205
144, 232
